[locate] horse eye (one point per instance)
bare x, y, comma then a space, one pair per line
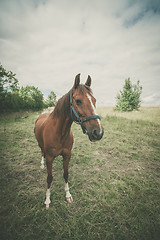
79, 102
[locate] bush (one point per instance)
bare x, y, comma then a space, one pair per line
9, 90
13, 101
32, 98
129, 98
14, 98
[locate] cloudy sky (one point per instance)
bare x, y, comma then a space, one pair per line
47, 42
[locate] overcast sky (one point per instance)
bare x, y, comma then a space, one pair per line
47, 42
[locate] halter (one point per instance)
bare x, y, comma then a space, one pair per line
79, 120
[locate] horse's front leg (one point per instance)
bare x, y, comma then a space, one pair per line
66, 159
49, 161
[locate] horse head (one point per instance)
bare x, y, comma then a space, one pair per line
83, 111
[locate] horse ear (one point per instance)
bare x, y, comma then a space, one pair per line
88, 82
77, 81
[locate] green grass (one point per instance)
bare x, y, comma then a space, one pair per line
115, 182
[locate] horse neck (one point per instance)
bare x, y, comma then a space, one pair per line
62, 115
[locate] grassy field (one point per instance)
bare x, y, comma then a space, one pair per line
115, 183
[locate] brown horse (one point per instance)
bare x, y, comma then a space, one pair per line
53, 131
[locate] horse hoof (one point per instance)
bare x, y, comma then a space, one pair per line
69, 200
47, 206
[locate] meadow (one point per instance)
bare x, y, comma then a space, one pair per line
115, 183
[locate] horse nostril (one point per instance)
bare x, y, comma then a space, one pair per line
95, 133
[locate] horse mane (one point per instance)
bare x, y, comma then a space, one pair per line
63, 105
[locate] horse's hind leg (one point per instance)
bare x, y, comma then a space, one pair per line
66, 159
49, 180
42, 160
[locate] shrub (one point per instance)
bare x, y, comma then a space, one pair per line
129, 98
32, 98
14, 98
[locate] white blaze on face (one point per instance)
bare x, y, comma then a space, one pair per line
94, 112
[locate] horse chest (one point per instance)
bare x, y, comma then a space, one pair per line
56, 145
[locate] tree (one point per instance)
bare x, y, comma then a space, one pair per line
32, 98
9, 89
51, 100
14, 98
8, 81
129, 98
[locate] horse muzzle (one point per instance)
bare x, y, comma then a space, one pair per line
95, 133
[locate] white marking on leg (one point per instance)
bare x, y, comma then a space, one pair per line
68, 195
95, 113
66, 188
48, 201
42, 163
